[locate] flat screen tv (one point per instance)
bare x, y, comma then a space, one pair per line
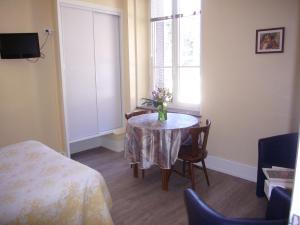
19, 45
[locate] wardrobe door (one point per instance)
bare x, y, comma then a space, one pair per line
79, 71
108, 71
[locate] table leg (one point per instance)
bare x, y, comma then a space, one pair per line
165, 176
135, 170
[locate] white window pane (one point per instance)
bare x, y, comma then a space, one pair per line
189, 86
161, 8
189, 37
162, 43
187, 7
178, 51
163, 78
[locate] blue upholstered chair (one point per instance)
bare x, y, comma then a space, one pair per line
201, 214
278, 150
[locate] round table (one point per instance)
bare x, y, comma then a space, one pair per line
151, 142
175, 121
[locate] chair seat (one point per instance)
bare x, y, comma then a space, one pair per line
201, 214
186, 154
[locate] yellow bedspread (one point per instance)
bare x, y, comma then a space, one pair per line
40, 186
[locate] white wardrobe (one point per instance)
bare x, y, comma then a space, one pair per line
90, 43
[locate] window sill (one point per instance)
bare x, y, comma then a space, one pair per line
173, 110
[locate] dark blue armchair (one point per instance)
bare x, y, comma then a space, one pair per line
278, 150
201, 214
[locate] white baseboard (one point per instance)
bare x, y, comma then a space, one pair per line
112, 142
116, 143
233, 168
80, 146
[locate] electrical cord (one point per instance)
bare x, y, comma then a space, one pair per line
45, 41
43, 56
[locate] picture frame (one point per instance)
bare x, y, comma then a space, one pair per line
270, 40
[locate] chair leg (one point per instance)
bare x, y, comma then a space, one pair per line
135, 170
205, 171
165, 177
192, 175
183, 167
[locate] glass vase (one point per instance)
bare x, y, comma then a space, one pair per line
162, 111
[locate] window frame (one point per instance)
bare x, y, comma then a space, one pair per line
175, 57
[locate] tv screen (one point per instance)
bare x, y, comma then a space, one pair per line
19, 45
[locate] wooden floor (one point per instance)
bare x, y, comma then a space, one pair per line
142, 202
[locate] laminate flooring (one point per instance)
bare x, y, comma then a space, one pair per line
138, 201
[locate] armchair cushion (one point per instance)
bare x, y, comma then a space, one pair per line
279, 204
201, 214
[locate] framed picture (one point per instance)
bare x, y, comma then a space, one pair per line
270, 40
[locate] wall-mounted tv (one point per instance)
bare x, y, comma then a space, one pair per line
19, 45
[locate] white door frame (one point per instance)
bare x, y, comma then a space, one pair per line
94, 8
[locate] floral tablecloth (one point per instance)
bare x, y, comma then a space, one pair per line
151, 142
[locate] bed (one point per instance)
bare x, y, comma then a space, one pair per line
40, 186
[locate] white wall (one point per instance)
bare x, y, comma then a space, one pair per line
29, 96
296, 105
247, 96
142, 48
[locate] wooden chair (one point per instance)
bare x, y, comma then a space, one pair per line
135, 113
128, 116
196, 152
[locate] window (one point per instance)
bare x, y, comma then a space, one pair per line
175, 49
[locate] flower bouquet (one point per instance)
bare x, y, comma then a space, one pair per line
160, 99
